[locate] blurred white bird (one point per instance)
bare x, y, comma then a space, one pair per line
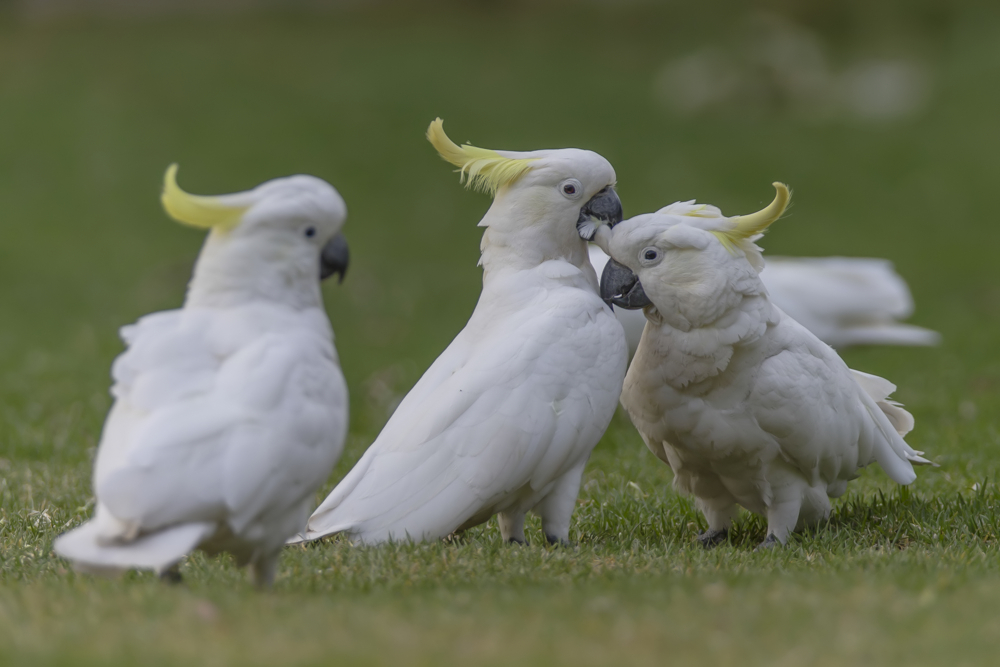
844, 301
230, 412
743, 403
504, 420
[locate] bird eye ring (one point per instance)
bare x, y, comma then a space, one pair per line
650, 254
571, 188
310, 232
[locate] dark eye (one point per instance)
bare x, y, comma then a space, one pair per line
569, 189
310, 232
650, 254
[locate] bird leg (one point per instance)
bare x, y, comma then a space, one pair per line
512, 527
172, 575
556, 509
781, 518
719, 511
263, 569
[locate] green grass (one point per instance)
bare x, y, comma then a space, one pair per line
91, 112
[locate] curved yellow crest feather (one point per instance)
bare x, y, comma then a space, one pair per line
195, 210
757, 223
480, 168
754, 224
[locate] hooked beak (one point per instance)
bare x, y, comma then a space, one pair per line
604, 207
334, 258
621, 287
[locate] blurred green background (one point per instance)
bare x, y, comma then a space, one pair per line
884, 117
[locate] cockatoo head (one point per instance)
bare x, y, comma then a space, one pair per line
542, 195
283, 234
686, 260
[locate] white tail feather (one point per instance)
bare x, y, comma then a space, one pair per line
91, 552
889, 333
899, 461
325, 521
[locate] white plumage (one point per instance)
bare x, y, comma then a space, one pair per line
746, 406
230, 412
504, 420
844, 301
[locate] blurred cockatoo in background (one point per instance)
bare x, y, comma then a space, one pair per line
842, 300
504, 420
745, 405
230, 412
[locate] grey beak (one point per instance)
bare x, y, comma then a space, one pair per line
604, 206
334, 258
621, 287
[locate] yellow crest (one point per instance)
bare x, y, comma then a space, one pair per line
757, 223
480, 168
195, 210
748, 226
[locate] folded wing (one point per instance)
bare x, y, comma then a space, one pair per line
216, 423
496, 413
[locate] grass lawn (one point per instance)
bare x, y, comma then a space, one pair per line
91, 113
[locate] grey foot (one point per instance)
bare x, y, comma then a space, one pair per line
172, 576
557, 541
770, 542
517, 540
713, 537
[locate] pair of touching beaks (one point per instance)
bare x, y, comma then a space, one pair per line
621, 287
225, 212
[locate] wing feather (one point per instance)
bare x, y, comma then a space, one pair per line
824, 416
255, 437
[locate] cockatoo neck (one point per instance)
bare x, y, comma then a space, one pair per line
521, 234
526, 249
706, 349
235, 269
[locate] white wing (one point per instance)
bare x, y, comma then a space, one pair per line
515, 401
827, 419
225, 416
845, 300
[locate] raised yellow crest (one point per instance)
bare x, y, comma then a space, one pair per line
480, 168
195, 210
749, 226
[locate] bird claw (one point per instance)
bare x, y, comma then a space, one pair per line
517, 540
770, 542
712, 538
558, 542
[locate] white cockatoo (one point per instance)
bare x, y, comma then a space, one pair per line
230, 412
745, 405
504, 420
844, 301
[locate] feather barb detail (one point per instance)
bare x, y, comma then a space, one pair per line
195, 210
479, 168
